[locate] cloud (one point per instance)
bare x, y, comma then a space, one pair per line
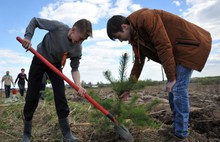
13, 62
205, 14
100, 34
71, 10
100, 53
215, 54
16, 31
177, 3
101, 56
123, 7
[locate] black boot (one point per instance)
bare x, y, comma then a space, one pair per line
65, 128
27, 131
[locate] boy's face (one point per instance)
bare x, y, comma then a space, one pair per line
76, 37
123, 35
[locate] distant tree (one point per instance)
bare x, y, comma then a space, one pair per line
100, 84
83, 83
89, 84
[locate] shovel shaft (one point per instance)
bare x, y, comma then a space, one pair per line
58, 72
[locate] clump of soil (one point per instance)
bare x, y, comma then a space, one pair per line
204, 124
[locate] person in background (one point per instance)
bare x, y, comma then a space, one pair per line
59, 43
43, 85
8, 81
21, 81
178, 45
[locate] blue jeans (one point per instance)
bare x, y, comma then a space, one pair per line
179, 101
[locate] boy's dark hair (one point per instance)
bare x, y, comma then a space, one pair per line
84, 26
114, 25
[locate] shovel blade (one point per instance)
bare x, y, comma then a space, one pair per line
123, 133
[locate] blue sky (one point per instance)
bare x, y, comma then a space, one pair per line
99, 53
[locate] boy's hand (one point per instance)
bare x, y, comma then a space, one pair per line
169, 85
26, 44
81, 91
124, 96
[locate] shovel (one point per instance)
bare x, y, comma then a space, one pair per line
120, 129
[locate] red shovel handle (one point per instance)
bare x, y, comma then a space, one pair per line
91, 100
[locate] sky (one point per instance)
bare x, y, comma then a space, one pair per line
99, 53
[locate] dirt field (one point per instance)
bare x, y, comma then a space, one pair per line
204, 125
204, 122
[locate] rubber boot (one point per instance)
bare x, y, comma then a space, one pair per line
27, 131
66, 132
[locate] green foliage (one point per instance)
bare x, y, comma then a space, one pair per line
48, 95
128, 113
10, 114
137, 115
142, 83
3, 125
123, 83
152, 104
206, 80
123, 67
108, 75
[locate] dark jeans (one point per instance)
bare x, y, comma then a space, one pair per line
42, 89
7, 91
36, 72
21, 88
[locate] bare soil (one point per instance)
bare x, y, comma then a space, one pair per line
204, 124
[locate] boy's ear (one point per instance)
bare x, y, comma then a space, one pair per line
73, 29
124, 26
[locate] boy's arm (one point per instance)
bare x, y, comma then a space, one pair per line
41, 24
3, 78
16, 79
76, 78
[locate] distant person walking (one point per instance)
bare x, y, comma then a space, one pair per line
21, 81
8, 80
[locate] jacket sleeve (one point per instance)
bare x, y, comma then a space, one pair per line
74, 63
137, 68
40, 23
151, 22
75, 55
26, 77
17, 78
